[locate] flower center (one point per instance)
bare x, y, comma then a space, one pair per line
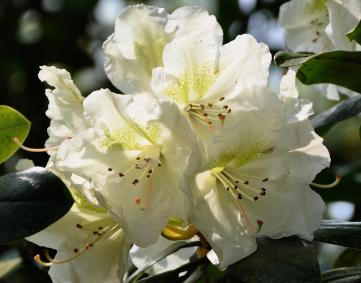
141, 169
209, 112
241, 189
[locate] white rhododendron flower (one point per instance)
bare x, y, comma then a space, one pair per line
257, 180
201, 76
91, 247
65, 108
320, 25
139, 155
141, 33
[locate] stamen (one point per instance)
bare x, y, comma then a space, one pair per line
328, 186
17, 141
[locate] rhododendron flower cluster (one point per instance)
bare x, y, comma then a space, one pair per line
196, 145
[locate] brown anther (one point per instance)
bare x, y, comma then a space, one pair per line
221, 98
225, 107
88, 246
265, 180
110, 169
237, 182
205, 114
138, 158
210, 105
210, 122
79, 226
148, 176
76, 250
235, 187
221, 117
246, 182
263, 193
229, 110
159, 164
121, 174
255, 198
146, 159
239, 196
135, 181
100, 228
150, 171
202, 106
227, 188
263, 189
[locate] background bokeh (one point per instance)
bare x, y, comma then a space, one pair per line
70, 33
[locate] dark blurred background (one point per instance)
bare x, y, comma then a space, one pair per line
70, 33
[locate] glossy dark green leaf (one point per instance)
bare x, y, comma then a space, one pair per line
30, 201
348, 258
342, 111
282, 260
289, 59
12, 124
341, 68
343, 233
177, 275
342, 275
355, 34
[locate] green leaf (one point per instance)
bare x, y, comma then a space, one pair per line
349, 258
290, 59
342, 275
341, 68
176, 275
343, 233
30, 201
283, 260
12, 124
355, 34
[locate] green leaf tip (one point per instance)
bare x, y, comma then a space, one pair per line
355, 34
12, 124
290, 59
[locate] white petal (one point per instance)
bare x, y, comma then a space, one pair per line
109, 261
187, 53
109, 257
306, 215
304, 23
243, 62
65, 105
136, 47
219, 220
141, 256
297, 110
344, 16
193, 20
225, 253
